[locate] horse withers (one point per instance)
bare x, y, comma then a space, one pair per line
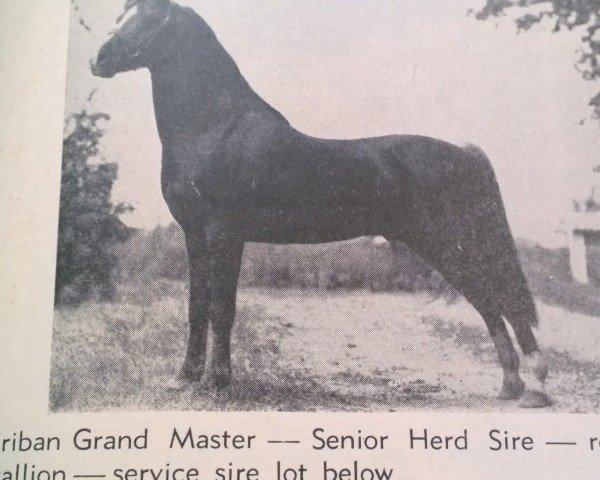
234, 171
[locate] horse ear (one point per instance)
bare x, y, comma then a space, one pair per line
128, 6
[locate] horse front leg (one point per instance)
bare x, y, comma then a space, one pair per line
195, 357
225, 255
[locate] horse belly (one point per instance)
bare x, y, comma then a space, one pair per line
307, 226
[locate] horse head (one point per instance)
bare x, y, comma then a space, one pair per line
137, 43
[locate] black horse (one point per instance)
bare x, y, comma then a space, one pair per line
234, 170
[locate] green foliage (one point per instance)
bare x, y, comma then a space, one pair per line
565, 14
89, 224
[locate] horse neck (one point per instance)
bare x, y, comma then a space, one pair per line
198, 87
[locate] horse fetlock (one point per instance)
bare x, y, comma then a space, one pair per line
512, 388
539, 366
535, 396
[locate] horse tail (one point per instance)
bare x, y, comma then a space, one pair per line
514, 297
517, 304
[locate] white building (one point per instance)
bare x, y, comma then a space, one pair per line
582, 229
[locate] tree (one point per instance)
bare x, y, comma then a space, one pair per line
583, 15
89, 224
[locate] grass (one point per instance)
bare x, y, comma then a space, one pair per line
305, 350
118, 355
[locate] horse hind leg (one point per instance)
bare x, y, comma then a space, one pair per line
500, 292
467, 277
489, 286
521, 313
513, 386
484, 293
482, 299
536, 396
517, 306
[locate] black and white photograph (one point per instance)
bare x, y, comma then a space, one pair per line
325, 205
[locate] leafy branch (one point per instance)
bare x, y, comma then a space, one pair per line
565, 14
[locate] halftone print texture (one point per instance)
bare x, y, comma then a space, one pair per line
298, 273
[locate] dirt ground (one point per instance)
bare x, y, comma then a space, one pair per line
437, 355
307, 350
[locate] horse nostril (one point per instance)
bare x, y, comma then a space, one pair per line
103, 65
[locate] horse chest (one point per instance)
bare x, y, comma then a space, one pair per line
185, 158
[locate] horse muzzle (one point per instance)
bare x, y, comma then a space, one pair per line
101, 70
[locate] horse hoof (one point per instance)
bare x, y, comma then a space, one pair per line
512, 390
178, 384
215, 382
535, 399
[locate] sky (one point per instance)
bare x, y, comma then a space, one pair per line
359, 68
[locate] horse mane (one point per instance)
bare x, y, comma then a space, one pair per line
214, 66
